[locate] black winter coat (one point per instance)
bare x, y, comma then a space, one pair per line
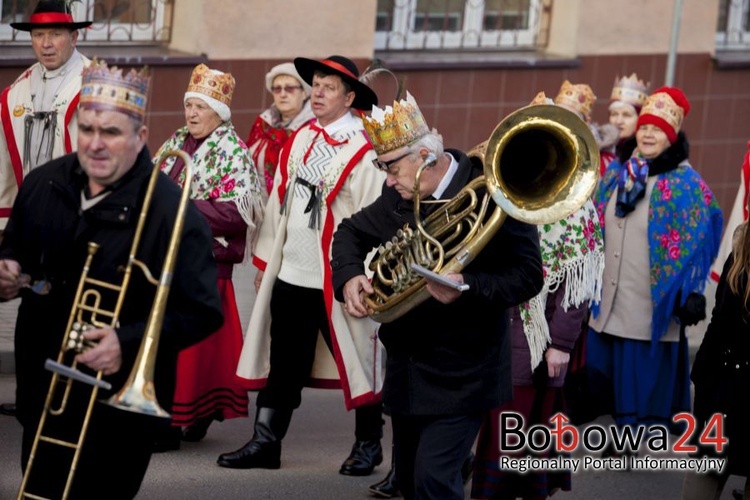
446, 359
721, 374
48, 235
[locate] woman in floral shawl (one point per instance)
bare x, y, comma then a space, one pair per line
662, 228
225, 189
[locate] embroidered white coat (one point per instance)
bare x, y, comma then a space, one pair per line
15, 104
351, 183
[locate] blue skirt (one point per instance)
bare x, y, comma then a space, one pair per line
646, 384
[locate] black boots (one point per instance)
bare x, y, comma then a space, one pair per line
388, 487
197, 431
366, 452
364, 457
263, 451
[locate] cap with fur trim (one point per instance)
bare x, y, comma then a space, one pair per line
364, 97
286, 69
666, 108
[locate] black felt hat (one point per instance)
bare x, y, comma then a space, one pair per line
50, 14
364, 97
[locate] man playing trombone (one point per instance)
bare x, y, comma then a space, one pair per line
96, 196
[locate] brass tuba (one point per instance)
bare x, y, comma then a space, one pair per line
541, 164
137, 395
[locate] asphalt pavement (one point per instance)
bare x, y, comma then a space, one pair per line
319, 439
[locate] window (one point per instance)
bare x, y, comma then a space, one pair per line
459, 24
141, 21
733, 30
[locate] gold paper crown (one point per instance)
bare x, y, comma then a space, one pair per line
393, 128
540, 98
578, 97
213, 83
630, 90
107, 89
663, 106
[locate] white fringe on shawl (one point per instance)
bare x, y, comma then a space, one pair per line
582, 275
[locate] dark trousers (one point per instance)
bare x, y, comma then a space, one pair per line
297, 315
430, 451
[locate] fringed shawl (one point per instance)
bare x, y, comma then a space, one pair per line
573, 254
684, 232
223, 171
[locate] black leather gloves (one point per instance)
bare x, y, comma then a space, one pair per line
693, 311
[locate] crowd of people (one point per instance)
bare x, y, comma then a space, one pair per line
324, 179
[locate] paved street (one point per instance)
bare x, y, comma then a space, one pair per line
318, 441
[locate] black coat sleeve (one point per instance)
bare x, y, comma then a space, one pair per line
509, 270
353, 240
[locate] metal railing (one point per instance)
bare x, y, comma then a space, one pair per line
462, 24
733, 27
139, 22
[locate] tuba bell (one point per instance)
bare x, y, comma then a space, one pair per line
541, 164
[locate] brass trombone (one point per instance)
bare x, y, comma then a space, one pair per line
137, 395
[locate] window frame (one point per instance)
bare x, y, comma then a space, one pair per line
734, 37
472, 36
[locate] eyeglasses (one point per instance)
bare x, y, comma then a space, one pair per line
286, 88
385, 166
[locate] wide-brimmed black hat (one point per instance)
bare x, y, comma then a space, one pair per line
364, 97
49, 14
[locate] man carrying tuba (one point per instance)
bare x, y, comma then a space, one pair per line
448, 357
95, 196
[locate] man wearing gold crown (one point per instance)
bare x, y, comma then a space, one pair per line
448, 358
324, 175
62, 206
37, 111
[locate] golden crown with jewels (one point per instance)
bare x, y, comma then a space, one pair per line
108, 89
578, 97
212, 83
394, 127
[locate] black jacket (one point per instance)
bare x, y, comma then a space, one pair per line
721, 374
455, 358
48, 235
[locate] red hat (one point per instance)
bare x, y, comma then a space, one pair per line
665, 108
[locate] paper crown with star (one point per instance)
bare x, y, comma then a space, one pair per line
108, 89
397, 126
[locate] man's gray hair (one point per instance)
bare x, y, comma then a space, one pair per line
432, 141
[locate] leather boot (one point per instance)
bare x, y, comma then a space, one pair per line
197, 431
263, 451
362, 460
388, 487
366, 452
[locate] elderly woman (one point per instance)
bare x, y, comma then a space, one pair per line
226, 190
662, 227
628, 95
289, 111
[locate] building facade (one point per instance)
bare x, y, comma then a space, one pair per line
468, 62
